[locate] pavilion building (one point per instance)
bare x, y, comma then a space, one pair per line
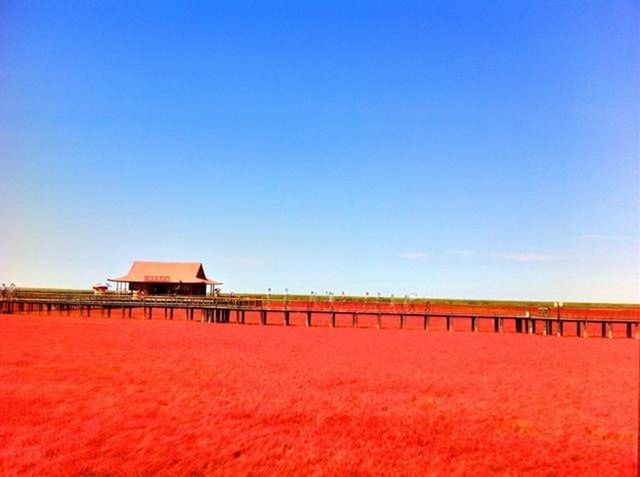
166, 278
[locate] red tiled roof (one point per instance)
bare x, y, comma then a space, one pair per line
166, 272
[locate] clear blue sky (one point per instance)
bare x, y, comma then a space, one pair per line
453, 149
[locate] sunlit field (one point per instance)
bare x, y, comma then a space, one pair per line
97, 396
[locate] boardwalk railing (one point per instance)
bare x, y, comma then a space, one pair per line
221, 309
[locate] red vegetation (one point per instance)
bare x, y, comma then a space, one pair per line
100, 396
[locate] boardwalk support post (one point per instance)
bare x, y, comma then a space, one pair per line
581, 329
221, 311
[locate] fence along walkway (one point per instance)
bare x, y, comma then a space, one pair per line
223, 309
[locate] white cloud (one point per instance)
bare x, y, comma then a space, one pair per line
460, 253
526, 257
604, 237
414, 255
517, 256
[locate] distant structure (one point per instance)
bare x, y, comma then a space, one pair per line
166, 278
100, 288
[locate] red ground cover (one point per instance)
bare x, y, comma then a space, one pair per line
100, 396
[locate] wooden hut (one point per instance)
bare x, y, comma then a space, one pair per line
166, 278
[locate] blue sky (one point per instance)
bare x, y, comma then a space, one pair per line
455, 149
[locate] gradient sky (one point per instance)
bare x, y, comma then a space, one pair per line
450, 149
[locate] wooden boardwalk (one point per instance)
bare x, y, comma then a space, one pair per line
236, 310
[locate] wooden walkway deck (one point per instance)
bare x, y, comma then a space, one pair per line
230, 309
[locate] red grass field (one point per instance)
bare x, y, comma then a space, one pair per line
93, 396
